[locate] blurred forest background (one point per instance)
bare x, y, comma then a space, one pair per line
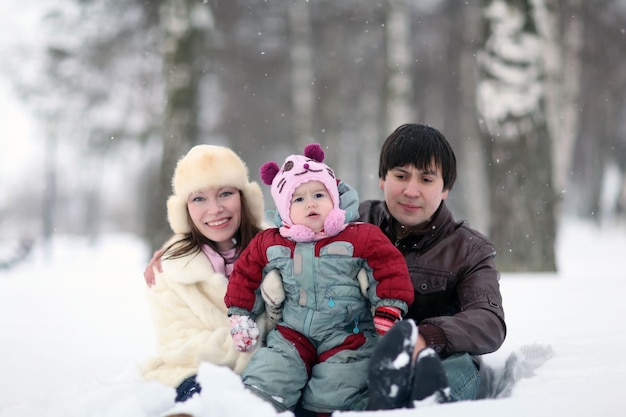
531, 94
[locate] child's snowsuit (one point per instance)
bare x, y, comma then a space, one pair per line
320, 350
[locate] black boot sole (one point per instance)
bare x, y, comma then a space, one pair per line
429, 378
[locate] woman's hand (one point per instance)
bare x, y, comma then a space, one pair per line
155, 262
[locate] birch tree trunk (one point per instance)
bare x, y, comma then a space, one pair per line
399, 59
472, 155
563, 77
511, 108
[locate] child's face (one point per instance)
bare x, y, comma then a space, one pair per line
310, 204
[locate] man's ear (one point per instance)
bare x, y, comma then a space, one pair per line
381, 183
445, 194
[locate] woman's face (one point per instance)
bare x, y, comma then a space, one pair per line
216, 213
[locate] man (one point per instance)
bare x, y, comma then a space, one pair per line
457, 312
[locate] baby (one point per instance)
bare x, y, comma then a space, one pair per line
334, 274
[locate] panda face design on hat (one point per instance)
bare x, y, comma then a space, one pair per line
296, 170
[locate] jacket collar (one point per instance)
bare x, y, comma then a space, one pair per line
420, 238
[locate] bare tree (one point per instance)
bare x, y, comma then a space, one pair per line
350, 64
253, 72
471, 157
399, 64
87, 88
601, 139
185, 25
511, 106
301, 72
560, 25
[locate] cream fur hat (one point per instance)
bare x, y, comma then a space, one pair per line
210, 166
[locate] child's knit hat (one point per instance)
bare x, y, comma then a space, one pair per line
296, 170
210, 166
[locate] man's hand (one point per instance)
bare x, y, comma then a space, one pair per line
419, 346
155, 262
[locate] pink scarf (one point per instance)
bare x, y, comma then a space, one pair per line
222, 262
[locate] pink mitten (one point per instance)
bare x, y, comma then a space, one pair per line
244, 332
385, 317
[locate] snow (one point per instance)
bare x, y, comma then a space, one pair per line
75, 327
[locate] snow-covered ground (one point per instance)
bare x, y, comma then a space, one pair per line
75, 326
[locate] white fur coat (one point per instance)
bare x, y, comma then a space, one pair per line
190, 320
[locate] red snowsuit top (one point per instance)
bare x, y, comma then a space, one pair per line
313, 272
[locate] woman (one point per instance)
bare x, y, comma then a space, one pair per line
214, 212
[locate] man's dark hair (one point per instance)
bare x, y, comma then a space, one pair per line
418, 145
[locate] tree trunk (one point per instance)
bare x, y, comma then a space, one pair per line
472, 158
399, 59
563, 72
50, 190
301, 73
511, 106
329, 108
182, 43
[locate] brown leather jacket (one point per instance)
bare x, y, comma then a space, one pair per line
458, 305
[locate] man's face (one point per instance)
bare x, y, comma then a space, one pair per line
413, 196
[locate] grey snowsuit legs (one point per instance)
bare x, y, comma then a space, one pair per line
291, 367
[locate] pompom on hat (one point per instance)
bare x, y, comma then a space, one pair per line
296, 170
207, 166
